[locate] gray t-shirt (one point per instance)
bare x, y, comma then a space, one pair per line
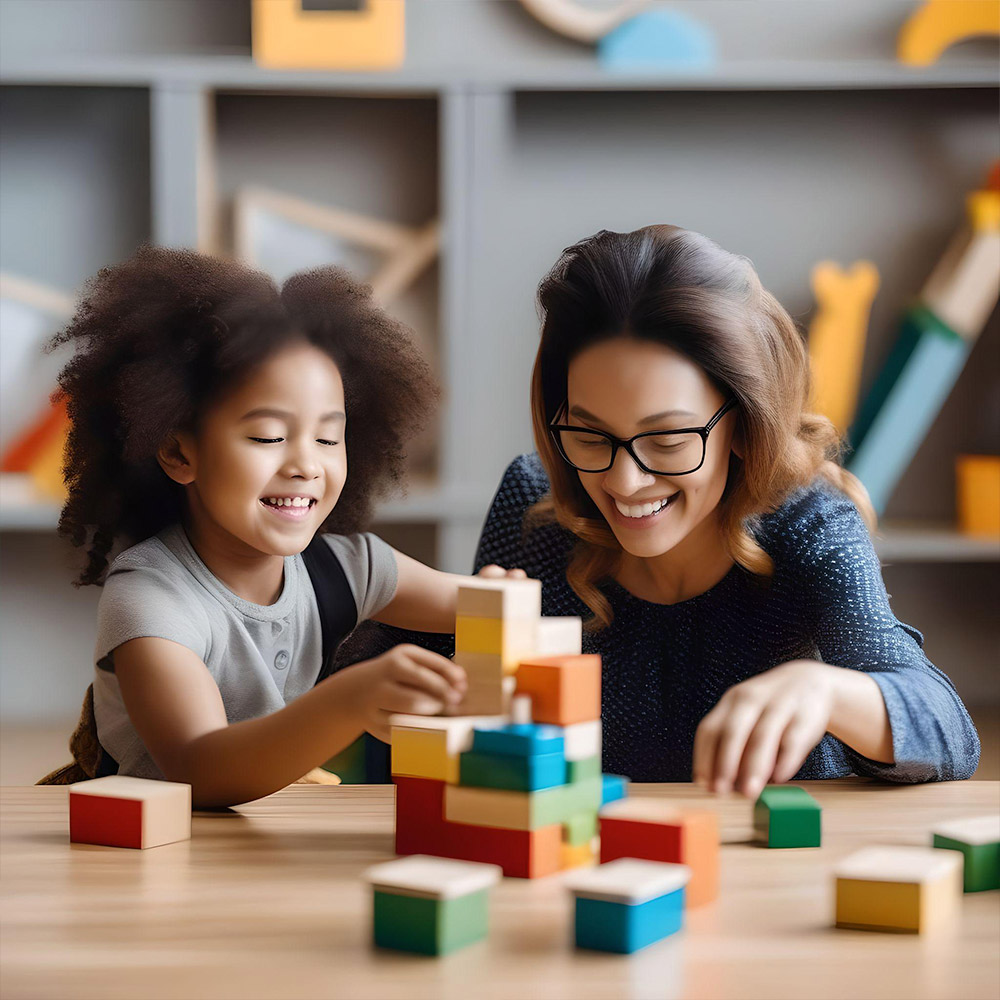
261, 657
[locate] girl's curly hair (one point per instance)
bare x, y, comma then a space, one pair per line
164, 334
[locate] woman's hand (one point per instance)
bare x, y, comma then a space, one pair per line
494, 572
407, 679
763, 728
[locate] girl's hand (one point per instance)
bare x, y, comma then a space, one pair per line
406, 679
763, 728
495, 572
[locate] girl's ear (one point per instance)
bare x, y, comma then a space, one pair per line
176, 456
737, 445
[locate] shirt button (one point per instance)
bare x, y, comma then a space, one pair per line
281, 660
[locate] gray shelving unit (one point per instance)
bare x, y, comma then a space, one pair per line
805, 143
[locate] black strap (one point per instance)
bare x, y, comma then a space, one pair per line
338, 618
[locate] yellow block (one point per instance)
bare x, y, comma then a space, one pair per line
576, 857
423, 753
512, 639
287, 37
939, 24
837, 337
977, 484
886, 906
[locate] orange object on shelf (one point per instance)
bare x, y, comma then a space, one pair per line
977, 494
33, 443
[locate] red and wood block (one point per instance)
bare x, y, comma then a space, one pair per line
118, 811
564, 689
422, 829
656, 831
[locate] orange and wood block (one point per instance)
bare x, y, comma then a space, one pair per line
906, 890
657, 831
430, 746
564, 689
118, 811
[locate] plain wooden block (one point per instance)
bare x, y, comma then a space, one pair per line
564, 689
562, 636
118, 811
504, 598
655, 830
898, 889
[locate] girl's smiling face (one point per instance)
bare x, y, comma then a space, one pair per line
623, 387
268, 462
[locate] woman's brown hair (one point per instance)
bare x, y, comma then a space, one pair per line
678, 288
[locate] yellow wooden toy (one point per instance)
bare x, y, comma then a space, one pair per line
301, 34
977, 482
938, 24
837, 336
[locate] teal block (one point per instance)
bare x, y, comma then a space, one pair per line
926, 367
603, 925
614, 787
429, 926
981, 870
517, 773
522, 739
580, 770
657, 40
787, 816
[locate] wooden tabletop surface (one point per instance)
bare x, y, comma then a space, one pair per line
266, 901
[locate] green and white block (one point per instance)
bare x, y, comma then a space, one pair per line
431, 906
978, 840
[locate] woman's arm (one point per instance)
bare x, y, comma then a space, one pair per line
177, 711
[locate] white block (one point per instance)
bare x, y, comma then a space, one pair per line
582, 739
628, 880
437, 878
559, 637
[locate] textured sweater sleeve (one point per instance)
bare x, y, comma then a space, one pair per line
933, 737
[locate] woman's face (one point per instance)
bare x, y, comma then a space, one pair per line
269, 461
624, 387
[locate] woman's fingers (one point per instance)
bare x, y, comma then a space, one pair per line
796, 742
761, 749
729, 751
706, 739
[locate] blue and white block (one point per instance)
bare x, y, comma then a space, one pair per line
628, 904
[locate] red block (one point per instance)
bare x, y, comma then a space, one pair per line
420, 824
627, 838
104, 820
520, 853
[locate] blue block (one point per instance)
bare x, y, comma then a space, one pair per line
657, 40
602, 925
523, 739
512, 771
614, 786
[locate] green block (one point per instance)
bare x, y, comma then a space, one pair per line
580, 770
580, 829
560, 805
430, 926
787, 816
982, 863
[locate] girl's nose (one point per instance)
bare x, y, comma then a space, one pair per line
302, 462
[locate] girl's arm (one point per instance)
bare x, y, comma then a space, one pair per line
426, 598
178, 713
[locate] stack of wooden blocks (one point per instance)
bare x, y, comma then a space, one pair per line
520, 791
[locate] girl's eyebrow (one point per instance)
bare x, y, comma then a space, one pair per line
579, 411
266, 411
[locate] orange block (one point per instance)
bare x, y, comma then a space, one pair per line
563, 689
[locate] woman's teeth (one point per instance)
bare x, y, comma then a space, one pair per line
642, 509
289, 501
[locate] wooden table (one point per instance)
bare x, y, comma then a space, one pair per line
265, 901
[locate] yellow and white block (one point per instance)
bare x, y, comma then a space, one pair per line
429, 746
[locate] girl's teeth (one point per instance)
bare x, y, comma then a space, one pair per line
288, 501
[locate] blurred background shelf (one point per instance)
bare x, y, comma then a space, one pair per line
125, 122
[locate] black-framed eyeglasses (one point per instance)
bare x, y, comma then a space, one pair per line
660, 453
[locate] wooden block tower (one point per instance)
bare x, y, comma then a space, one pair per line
517, 784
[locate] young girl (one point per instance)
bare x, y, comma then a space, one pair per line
218, 425
686, 502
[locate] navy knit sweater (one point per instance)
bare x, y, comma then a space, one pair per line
666, 666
